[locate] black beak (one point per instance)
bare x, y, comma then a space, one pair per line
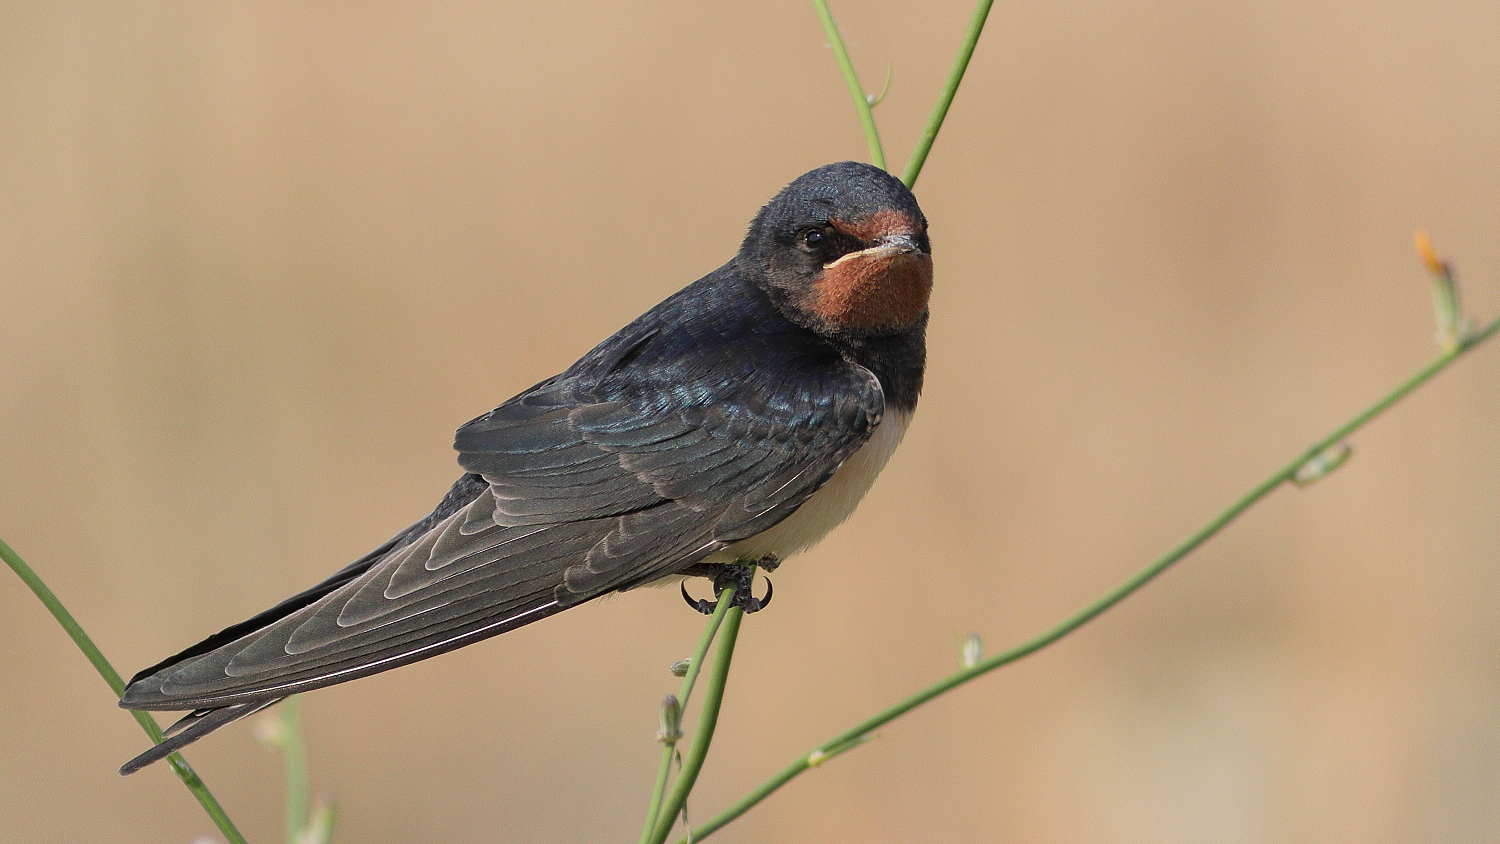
897, 243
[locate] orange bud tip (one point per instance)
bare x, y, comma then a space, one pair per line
1429, 255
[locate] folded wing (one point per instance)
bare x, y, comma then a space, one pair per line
655, 450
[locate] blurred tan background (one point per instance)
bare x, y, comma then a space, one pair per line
257, 261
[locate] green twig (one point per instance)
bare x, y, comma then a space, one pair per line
708, 718
1452, 327
861, 102
320, 825
179, 765
890, 71
861, 732
307, 822
945, 99
669, 742
293, 746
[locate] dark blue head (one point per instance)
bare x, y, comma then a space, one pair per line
843, 250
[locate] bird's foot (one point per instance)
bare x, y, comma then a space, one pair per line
768, 563
741, 577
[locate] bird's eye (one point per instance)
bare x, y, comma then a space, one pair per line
813, 238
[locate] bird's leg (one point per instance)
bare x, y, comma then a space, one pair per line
737, 575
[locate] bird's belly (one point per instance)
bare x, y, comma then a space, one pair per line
829, 506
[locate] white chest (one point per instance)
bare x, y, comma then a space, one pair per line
830, 505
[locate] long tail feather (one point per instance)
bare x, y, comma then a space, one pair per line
190, 728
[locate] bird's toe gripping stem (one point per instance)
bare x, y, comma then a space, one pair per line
741, 577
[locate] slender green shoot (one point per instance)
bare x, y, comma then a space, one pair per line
945, 99
877, 99
861, 732
1445, 301
294, 759
670, 736
179, 765
708, 718
320, 825
861, 101
282, 730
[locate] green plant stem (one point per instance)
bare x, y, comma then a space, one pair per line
708, 718
320, 825
669, 744
945, 99
663, 772
857, 91
179, 765
294, 761
856, 735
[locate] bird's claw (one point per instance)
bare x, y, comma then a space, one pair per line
754, 604
740, 578
702, 605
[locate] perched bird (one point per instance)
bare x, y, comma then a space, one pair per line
740, 420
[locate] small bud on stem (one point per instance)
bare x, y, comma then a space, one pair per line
671, 720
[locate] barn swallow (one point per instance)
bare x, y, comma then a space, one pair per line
741, 419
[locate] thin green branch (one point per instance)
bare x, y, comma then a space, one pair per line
179, 765
1452, 327
320, 825
307, 821
945, 99
294, 759
890, 71
669, 742
659, 789
856, 735
708, 718
861, 102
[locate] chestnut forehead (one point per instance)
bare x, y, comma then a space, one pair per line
889, 221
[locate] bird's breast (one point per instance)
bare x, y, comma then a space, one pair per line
830, 505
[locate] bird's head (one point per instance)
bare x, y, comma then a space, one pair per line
843, 250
